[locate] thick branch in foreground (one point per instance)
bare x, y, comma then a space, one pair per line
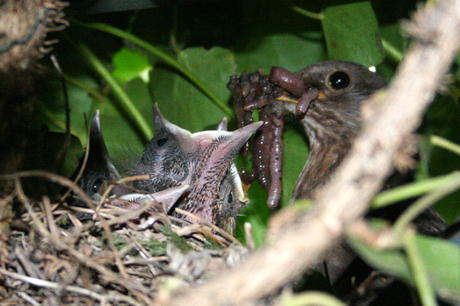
346, 197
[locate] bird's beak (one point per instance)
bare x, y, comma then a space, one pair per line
98, 153
98, 169
285, 97
221, 147
288, 98
295, 90
210, 167
184, 137
218, 149
239, 186
245, 190
95, 172
201, 140
166, 198
222, 125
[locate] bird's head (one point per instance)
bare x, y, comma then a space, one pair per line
99, 170
337, 90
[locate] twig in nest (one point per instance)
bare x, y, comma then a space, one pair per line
49, 217
130, 285
249, 237
28, 298
106, 193
66, 182
212, 226
47, 284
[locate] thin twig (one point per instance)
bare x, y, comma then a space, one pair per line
28, 298
80, 172
49, 217
68, 183
212, 226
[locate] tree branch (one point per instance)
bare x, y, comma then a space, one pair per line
397, 113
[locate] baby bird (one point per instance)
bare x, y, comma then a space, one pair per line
202, 160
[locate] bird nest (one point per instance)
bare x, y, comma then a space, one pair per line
117, 256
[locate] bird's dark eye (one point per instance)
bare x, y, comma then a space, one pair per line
162, 141
97, 185
338, 80
230, 197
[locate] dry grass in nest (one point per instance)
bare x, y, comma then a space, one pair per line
118, 256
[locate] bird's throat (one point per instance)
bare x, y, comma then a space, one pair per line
327, 152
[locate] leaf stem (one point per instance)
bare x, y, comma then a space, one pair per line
121, 95
88, 88
445, 144
392, 51
423, 203
312, 15
411, 190
165, 57
419, 272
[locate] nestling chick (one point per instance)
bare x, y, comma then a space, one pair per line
204, 161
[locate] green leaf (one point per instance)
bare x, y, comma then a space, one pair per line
276, 35
265, 52
130, 64
256, 213
185, 105
295, 157
441, 258
352, 33
50, 110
